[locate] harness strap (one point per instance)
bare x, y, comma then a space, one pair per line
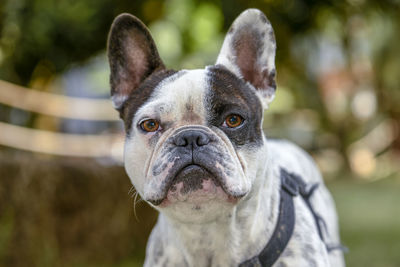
306, 192
291, 186
284, 227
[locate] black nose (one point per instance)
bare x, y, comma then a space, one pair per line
193, 138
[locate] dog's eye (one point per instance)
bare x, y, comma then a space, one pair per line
150, 125
233, 121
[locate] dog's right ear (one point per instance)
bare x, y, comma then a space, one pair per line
132, 55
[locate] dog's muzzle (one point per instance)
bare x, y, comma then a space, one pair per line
193, 160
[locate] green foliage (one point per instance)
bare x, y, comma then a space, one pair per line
59, 33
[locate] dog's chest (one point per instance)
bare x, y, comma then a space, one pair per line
202, 246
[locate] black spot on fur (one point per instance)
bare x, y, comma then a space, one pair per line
288, 253
308, 253
158, 252
189, 106
307, 249
312, 263
189, 116
263, 18
165, 263
271, 79
272, 36
230, 95
209, 261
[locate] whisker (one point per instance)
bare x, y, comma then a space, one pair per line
136, 201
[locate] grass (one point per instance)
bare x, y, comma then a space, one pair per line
369, 216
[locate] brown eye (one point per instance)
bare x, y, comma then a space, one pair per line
150, 125
233, 121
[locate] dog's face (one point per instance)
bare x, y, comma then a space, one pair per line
193, 137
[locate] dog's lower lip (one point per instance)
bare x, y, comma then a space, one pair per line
190, 171
180, 175
191, 168
199, 171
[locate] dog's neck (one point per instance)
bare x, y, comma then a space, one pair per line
241, 232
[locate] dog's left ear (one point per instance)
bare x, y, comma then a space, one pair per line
249, 52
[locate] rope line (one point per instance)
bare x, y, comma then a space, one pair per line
61, 144
56, 105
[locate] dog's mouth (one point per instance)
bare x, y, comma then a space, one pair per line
191, 177
193, 174
194, 184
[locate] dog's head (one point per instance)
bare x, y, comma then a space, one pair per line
193, 137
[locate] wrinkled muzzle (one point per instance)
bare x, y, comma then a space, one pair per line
189, 160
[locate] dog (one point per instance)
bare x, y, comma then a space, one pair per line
196, 152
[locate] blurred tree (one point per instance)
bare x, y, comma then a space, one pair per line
43, 37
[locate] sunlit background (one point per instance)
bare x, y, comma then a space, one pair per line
65, 199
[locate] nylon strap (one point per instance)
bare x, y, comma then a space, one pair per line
292, 185
284, 227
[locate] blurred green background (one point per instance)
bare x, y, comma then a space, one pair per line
65, 201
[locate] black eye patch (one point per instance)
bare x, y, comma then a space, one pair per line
227, 94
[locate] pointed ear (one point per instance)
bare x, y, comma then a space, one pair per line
249, 52
132, 55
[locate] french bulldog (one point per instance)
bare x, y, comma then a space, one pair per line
196, 152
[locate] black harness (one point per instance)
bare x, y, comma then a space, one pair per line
292, 185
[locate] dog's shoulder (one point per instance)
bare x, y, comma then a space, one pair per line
285, 154
294, 159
